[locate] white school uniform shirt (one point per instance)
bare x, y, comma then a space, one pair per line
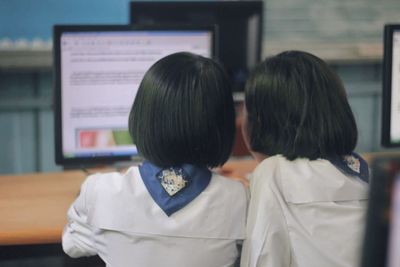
304, 213
116, 218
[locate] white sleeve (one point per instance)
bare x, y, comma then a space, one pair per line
77, 239
267, 241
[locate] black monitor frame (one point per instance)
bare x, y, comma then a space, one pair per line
58, 30
222, 13
377, 229
387, 85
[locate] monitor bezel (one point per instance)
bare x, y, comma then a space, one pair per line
375, 243
222, 7
58, 30
387, 84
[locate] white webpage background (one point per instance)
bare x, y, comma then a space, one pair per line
101, 72
395, 100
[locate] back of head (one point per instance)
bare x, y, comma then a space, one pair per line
183, 112
297, 107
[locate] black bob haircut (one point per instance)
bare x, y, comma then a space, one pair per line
184, 113
297, 107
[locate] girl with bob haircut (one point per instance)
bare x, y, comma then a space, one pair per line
172, 210
309, 191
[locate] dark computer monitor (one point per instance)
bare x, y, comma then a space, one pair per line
239, 24
97, 71
381, 244
391, 87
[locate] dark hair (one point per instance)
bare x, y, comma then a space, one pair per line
183, 112
297, 107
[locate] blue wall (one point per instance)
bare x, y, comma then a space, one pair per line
34, 18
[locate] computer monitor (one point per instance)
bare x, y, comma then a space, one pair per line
239, 23
97, 71
381, 244
391, 87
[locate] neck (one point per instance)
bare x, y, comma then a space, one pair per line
258, 156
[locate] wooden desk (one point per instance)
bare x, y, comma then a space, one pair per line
33, 207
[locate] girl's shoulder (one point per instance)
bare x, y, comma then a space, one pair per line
303, 180
227, 186
111, 182
268, 170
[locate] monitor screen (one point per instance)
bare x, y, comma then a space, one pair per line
239, 28
391, 87
98, 70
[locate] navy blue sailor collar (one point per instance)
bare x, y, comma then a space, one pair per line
352, 164
174, 187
